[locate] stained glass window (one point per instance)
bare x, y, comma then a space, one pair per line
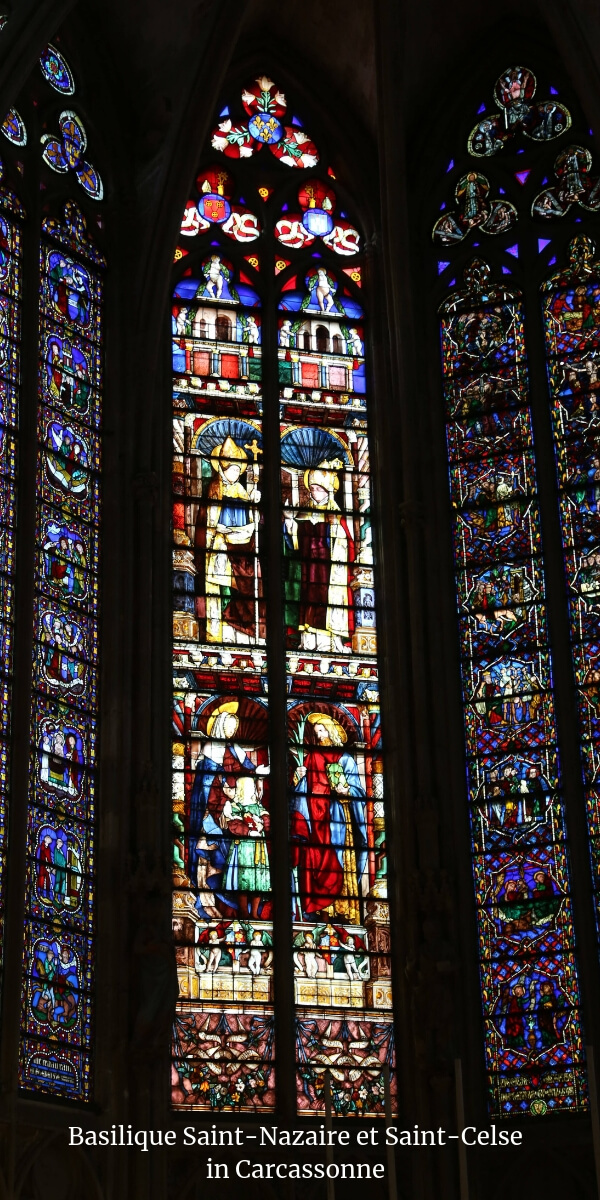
56, 71
262, 341
528, 975
13, 128
11, 218
58, 954
65, 153
518, 818
574, 185
56, 993
223, 903
339, 896
514, 92
474, 211
572, 327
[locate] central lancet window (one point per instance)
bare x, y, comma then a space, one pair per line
280, 856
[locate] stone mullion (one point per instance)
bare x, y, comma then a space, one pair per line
276, 664
420, 662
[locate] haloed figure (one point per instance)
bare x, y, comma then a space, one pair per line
227, 824
228, 536
328, 824
319, 544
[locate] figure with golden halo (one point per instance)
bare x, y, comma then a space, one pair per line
233, 587
328, 824
224, 776
319, 545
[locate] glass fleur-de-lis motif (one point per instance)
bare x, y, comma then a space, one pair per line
65, 153
266, 107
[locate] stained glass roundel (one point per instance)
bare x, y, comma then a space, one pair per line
265, 128
65, 153
90, 180
74, 137
540, 120
56, 71
13, 128
265, 105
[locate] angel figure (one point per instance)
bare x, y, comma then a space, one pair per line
323, 291
305, 956
215, 277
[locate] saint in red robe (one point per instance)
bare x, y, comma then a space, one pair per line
43, 875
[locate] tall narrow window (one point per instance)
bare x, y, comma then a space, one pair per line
572, 328
11, 217
528, 975
61, 554
339, 894
58, 963
244, 313
223, 902
527, 943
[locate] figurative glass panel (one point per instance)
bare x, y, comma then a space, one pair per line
475, 211
11, 216
514, 92
575, 185
341, 935
223, 1054
571, 312
224, 903
56, 1025
526, 941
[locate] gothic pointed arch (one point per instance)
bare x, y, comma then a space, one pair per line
51, 782
280, 902
527, 164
